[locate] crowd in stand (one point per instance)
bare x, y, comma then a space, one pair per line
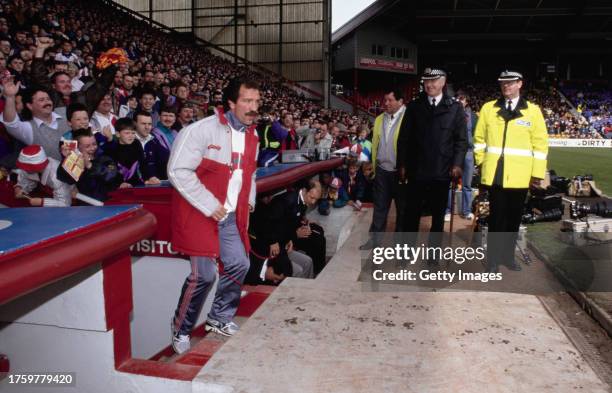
50, 49
560, 120
594, 103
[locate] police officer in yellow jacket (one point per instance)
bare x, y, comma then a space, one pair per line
510, 148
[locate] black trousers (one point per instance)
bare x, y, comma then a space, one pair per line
313, 246
432, 195
505, 212
420, 194
384, 191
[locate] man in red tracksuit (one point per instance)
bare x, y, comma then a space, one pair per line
212, 168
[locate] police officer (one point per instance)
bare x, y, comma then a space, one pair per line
431, 151
510, 148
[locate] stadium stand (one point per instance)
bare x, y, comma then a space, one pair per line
179, 73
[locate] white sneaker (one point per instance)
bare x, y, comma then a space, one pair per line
447, 217
180, 342
225, 329
469, 216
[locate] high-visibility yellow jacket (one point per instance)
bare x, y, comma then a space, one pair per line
520, 135
376, 133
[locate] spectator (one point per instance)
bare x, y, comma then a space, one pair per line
163, 131
128, 155
155, 153
34, 168
184, 118
100, 176
353, 184
146, 101
66, 55
44, 128
103, 117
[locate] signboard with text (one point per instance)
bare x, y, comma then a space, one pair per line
605, 143
389, 65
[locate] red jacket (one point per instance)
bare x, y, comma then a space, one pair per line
193, 232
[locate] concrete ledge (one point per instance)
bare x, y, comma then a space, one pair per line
329, 335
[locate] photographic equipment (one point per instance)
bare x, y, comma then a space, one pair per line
547, 216
558, 183
601, 209
543, 208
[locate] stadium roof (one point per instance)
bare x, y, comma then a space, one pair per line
484, 20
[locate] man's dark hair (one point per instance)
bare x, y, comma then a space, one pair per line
125, 123
141, 113
312, 183
232, 90
29, 93
58, 74
397, 93
13, 57
185, 105
75, 107
463, 94
168, 109
81, 133
146, 90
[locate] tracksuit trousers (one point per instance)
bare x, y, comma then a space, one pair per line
204, 273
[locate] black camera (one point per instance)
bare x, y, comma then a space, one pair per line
601, 209
546, 216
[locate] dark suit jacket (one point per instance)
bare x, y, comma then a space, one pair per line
431, 141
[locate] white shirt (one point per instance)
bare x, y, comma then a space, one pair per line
145, 140
235, 183
103, 121
22, 130
438, 99
76, 84
513, 102
394, 117
70, 58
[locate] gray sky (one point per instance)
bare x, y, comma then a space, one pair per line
344, 10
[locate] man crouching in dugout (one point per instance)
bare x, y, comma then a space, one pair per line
510, 147
212, 168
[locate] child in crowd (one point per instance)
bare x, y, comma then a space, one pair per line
101, 175
129, 108
323, 207
78, 119
34, 168
367, 171
366, 145
126, 152
353, 184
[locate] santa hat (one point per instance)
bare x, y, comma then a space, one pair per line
32, 159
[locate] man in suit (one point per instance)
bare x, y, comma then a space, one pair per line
431, 151
386, 132
307, 237
272, 255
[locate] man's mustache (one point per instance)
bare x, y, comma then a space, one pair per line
252, 113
